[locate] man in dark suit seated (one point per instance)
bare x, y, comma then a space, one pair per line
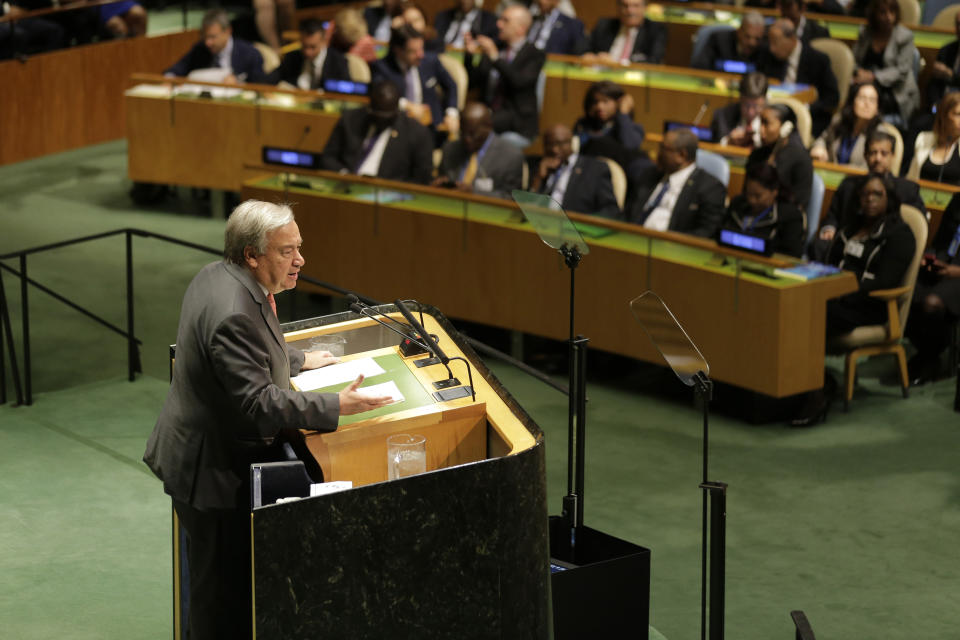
627, 38
480, 161
228, 402
738, 123
554, 32
313, 63
579, 183
945, 74
742, 45
418, 75
677, 195
219, 49
29, 36
378, 140
466, 16
507, 77
845, 202
380, 19
807, 30
789, 60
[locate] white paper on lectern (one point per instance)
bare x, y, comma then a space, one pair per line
383, 389
337, 373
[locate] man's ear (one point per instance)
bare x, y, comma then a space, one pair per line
250, 257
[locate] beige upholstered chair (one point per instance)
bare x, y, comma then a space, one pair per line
802, 111
842, 63
459, 74
271, 59
885, 338
619, 180
358, 68
898, 152
946, 16
909, 12
924, 139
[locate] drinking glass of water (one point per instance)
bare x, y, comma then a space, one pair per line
406, 455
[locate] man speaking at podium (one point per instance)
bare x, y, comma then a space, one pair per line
229, 398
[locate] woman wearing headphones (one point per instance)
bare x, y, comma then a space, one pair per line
766, 209
936, 155
783, 148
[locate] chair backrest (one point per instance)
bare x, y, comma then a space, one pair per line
932, 8
358, 68
525, 175
842, 62
271, 59
909, 12
924, 139
714, 164
619, 180
895, 163
946, 16
815, 206
918, 225
802, 111
541, 87
702, 35
459, 74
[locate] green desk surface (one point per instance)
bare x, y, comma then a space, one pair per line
505, 216
839, 30
396, 370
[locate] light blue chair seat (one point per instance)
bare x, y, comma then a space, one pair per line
716, 165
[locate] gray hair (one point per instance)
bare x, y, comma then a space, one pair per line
753, 18
250, 224
215, 16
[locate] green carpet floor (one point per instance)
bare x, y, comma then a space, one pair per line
853, 522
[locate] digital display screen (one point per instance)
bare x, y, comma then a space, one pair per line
743, 241
346, 86
703, 133
291, 157
734, 66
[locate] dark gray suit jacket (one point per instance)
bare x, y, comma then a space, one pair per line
699, 208
502, 163
230, 395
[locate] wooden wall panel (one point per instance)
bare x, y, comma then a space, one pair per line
74, 97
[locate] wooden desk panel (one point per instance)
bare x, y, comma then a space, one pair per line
757, 335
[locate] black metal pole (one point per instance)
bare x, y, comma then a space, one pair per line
133, 364
580, 344
25, 318
718, 542
8, 336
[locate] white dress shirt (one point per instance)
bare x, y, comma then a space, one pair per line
371, 164
626, 38
659, 218
312, 69
561, 178
793, 62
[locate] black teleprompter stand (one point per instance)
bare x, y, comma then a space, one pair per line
600, 584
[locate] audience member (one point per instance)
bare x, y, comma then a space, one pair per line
886, 56
936, 154
877, 246
783, 149
480, 161
314, 62
738, 123
465, 17
349, 35
379, 18
936, 298
843, 206
272, 18
789, 60
676, 195
742, 45
125, 19
945, 74
579, 183
630, 37
765, 210
555, 32
807, 30
414, 17
606, 128
219, 49
845, 139
80, 24
507, 77
418, 75
27, 36
379, 140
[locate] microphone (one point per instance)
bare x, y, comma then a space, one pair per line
445, 391
431, 343
409, 345
701, 112
296, 149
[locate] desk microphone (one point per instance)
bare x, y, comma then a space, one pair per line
409, 346
701, 113
296, 149
446, 392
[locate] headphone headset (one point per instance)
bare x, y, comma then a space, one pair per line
786, 129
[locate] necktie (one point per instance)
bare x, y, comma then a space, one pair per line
628, 42
273, 303
471, 171
535, 31
453, 32
410, 92
653, 205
